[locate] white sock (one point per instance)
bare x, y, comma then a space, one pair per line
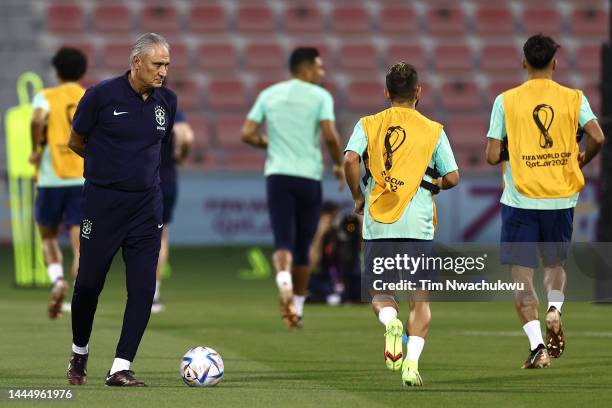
555, 298
283, 280
414, 348
298, 301
120, 364
387, 314
156, 295
80, 350
55, 271
534, 332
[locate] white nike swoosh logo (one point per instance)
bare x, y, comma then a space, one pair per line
160, 225
118, 113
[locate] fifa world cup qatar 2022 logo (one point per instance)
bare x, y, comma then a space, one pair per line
543, 116
394, 139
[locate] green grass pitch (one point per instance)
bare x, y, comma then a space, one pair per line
471, 358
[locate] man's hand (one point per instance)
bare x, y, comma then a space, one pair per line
359, 203
35, 158
339, 175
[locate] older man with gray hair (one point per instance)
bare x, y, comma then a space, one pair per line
119, 127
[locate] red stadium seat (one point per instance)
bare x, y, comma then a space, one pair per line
501, 60
219, 56
227, 131
590, 20
264, 56
65, 18
427, 101
226, 94
179, 57
588, 59
303, 19
255, 19
445, 20
207, 18
398, 20
350, 20
460, 95
160, 18
113, 18
412, 54
453, 58
543, 19
116, 56
187, 91
356, 57
494, 21
366, 96
467, 131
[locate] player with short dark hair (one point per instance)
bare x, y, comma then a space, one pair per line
59, 170
295, 112
119, 127
404, 154
533, 131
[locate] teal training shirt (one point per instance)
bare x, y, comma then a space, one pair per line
511, 197
46, 174
417, 220
292, 111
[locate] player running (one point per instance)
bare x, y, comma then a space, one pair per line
172, 154
295, 111
60, 171
402, 150
531, 126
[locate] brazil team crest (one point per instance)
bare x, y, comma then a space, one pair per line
160, 115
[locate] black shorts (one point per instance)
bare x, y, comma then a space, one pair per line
58, 205
527, 235
294, 204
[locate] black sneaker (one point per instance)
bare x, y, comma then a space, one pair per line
124, 378
77, 369
538, 358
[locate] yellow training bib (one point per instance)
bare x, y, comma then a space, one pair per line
401, 143
541, 123
63, 100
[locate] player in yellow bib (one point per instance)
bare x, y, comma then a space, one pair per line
533, 131
60, 170
404, 153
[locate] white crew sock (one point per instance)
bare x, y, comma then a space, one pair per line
414, 348
80, 350
156, 295
555, 298
283, 280
120, 364
55, 271
387, 314
298, 301
534, 332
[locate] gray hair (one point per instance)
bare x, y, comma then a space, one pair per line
144, 43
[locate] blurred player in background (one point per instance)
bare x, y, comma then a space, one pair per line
60, 171
295, 112
528, 123
172, 154
399, 144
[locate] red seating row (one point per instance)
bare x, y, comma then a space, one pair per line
587, 19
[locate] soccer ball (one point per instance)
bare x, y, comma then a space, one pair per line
201, 367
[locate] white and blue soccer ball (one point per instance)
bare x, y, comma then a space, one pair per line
201, 367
